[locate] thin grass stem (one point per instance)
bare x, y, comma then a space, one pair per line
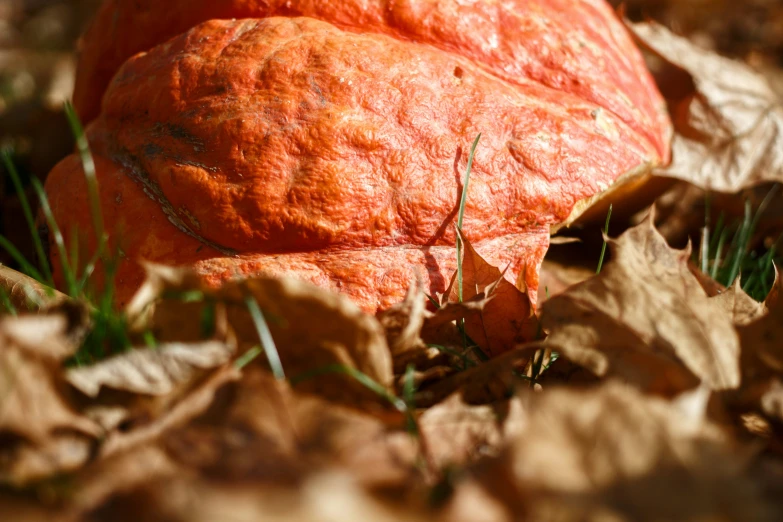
88, 166
462, 202
70, 280
17, 256
603, 247
360, 377
28, 216
265, 336
5, 299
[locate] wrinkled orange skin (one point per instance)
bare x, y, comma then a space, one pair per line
287, 145
573, 46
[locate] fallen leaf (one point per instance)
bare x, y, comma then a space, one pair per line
312, 328
647, 319
728, 121
329, 496
457, 433
612, 453
739, 305
152, 371
487, 382
762, 349
147, 421
268, 431
506, 317
25, 293
402, 324
555, 277
44, 432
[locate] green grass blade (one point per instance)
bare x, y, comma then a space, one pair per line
716, 263
461, 215
89, 268
714, 237
360, 377
88, 165
740, 244
265, 336
17, 256
603, 247
28, 216
70, 279
408, 391
466, 363
704, 250
5, 300
248, 357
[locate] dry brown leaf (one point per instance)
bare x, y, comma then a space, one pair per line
152, 371
762, 341
311, 327
507, 317
331, 496
491, 381
613, 454
43, 430
742, 308
645, 318
267, 431
33, 396
457, 433
403, 322
25, 293
762, 359
728, 121
146, 421
556, 276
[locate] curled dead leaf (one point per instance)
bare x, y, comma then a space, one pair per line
153, 371
43, 430
742, 308
312, 328
458, 433
728, 121
612, 453
265, 430
25, 293
647, 319
507, 315
403, 322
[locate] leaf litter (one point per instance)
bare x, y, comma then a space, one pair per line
646, 392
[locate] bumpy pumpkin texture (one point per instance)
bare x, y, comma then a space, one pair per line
336, 153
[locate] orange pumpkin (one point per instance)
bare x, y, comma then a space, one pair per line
335, 152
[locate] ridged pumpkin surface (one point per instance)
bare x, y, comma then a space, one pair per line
290, 145
573, 46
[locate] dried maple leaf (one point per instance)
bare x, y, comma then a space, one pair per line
457, 433
45, 433
313, 329
762, 340
155, 371
557, 276
612, 453
268, 431
488, 382
507, 315
762, 358
646, 318
728, 120
146, 421
25, 293
403, 321
742, 308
